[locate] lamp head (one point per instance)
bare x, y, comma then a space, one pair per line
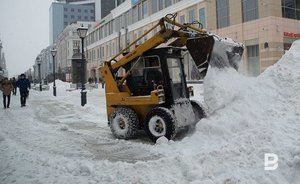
53, 52
82, 31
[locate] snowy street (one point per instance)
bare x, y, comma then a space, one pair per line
55, 140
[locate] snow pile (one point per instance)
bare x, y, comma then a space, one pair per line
222, 86
248, 117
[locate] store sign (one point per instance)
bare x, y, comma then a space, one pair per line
293, 35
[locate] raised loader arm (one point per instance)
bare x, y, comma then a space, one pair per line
199, 43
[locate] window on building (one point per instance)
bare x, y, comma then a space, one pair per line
85, 11
250, 10
105, 30
168, 3
253, 60
79, 10
135, 14
65, 23
79, 17
94, 55
154, 6
125, 19
92, 18
101, 32
113, 48
122, 22
65, 9
65, 16
72, 9
160, 4
202, 19
140, 8
182, 19
111, 28
191, 16
92, 11
145, 9
222, 13
72, 16
291, 9
110, 50
117, 24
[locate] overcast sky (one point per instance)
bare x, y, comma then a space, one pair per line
24, 31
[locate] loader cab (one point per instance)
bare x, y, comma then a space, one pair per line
159, 68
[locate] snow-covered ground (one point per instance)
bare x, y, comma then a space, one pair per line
55, 140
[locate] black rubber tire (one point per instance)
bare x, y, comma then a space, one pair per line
121, 117
166, 117
198, 110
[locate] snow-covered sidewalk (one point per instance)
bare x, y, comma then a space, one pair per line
55, 140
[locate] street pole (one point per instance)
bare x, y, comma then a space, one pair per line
40, 78
82, 31
53, 53
83, 92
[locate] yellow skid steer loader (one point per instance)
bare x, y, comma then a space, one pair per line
153, 94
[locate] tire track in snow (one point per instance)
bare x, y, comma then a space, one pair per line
97, 137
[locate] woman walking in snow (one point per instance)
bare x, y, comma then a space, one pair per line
6, 88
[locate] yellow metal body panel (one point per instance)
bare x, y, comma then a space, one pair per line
140, 104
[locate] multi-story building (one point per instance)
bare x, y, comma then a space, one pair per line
102, 7
3, 71
68, 44
266, 28
46, 63
63, 14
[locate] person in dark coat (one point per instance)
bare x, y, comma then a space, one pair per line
6, 88
24, 86
14, 83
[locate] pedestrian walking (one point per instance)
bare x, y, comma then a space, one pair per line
24, 86
101, 80
6, 88
14, 83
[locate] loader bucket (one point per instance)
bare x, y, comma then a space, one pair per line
200, 49
210, 50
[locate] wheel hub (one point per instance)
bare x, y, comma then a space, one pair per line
157, 126
122, 124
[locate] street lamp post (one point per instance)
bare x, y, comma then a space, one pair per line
53, 53
82, 33
39, 61
34, 73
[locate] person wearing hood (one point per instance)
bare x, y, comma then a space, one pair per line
24, 86
6, 88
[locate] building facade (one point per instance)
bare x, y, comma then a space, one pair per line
63, 14
266, 28
45, 65
3, 71
68, 44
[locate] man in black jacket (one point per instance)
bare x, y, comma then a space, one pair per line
24, 86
